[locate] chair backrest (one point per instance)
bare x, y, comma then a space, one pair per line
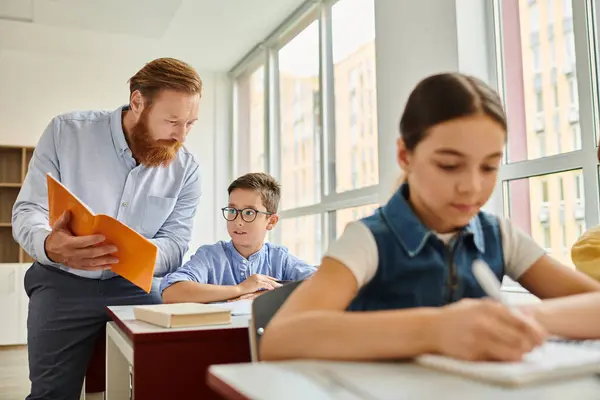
263, 309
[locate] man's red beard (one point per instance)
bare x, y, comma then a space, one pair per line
150, 152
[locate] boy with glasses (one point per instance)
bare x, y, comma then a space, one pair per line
246, 264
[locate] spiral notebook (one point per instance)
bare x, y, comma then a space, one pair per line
552, 361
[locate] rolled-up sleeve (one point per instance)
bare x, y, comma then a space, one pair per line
173, 238
30, 220
296, 269
197, 269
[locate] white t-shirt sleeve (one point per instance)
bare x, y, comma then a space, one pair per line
357, 250
519, 249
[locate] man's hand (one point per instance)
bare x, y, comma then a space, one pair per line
79, 252
257, 282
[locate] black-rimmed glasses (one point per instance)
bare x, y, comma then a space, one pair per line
248, 214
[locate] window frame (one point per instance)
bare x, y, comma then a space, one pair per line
585, 159
266, 53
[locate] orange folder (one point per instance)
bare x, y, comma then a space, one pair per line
136, 254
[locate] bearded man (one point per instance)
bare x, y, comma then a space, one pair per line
129, 164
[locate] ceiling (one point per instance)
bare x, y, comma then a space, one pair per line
216, 32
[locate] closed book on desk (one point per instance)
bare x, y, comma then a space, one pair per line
136, 254
181, 315
551, 361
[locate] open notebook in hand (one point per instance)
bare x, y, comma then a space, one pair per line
553, 360
136, 254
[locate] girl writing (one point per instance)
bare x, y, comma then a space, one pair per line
399, 283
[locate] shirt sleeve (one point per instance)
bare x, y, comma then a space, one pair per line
296, 269
30, 219
197, 269
173, 238
357, 250
519, 249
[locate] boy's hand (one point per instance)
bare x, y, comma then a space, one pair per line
247, 296
257, 282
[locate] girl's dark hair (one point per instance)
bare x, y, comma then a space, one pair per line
443, 97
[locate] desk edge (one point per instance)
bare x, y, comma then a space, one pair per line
222, 388
172, 335
120, 324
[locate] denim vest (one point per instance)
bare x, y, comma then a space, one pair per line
416, 269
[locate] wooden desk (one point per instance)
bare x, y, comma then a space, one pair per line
318, 380
168, 363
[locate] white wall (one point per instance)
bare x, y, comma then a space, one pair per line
415, 39
34, 87
210, 143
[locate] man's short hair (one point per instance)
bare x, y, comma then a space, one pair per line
165, 74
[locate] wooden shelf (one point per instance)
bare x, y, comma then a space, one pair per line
14, 162
9, 250
10, 164
8, 196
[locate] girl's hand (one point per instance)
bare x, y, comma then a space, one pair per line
485, 330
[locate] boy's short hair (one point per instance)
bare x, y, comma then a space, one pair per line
265, 184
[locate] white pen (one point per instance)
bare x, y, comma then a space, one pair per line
490, 284
488, 281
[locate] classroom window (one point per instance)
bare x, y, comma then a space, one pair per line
319, 103
539, 77
299, 118
543, 204
346, 215
301, 236
549, 149
251, 120
353, 53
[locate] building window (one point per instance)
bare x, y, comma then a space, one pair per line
563, 235
534, 18
576, 136
539, 101
536, 58
579, 187
541, 137
550, 11
544, 191
580, 228
573, 95
547, 244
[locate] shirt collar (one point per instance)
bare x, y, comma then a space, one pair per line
116, 129
239, 258
409, 229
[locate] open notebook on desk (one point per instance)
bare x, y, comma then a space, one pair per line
237, 307
551, 361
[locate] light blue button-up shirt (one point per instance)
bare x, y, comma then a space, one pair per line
87, 152
221, 264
